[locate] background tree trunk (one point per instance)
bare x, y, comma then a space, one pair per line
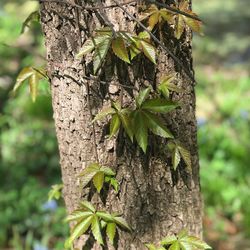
155, 200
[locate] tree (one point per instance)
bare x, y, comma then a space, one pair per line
156, 197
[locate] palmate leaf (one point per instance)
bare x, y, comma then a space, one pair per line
120, 50
159, 105
33, 76
111, 231
33, 17
113, 182
121, 222
96, 229
149, 50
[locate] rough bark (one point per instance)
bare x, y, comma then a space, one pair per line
155, 200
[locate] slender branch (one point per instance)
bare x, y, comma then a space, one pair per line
176, 59
174, 9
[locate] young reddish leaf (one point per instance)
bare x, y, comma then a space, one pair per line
114, 125
98, 181
120, 50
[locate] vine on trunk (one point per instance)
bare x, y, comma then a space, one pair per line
139, 119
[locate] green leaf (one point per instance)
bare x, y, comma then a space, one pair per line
168, 240
179, 26
114, 183
127, 124
88, 173
33, 83
185, 154
114, 125
111, 231
79, 229
175, 158
22, 76
107, 171
155, 124
91, 44
159, 105
175, 246
121, 222
141, 130
142, 96
120, 50
103, 113
193, 241
151, 246
55, 192
183, 233
96, 230
105, 216
98, 181
100, 53
134, 51
153, 19
149, 51
87, 205
78, 215
33, 17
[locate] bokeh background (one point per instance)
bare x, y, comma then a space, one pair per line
29, 162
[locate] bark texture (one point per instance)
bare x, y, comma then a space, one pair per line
155, 200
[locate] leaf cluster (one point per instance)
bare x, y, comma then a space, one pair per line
55, 192
182, 241
88, 218
156, 16
99, 174
143, 118
124, 45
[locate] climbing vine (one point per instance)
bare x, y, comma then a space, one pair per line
139, 119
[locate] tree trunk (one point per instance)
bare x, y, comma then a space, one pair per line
155, 200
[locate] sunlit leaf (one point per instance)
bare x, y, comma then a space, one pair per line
105, 216
104, 112
111, 231
55, 192
98, 181
79, 229
175, 246
149, 51
100, 53
78, 215
113, 182
107, 171
195, 242
120, 50
127, 125
175, 158
185, 154
96, 230
121, 222
87, 205
168, 240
